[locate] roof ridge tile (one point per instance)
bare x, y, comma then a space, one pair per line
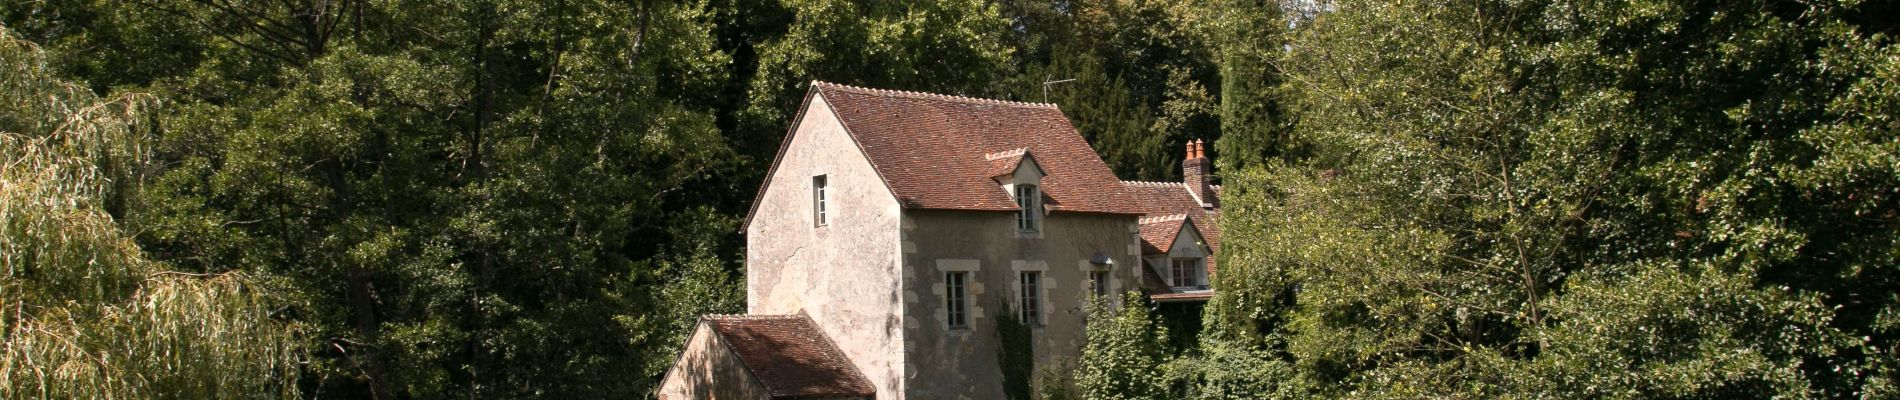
1006, 154
1153, 184
931, 96
747, 317
1162, 218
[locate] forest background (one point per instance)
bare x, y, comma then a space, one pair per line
535, 199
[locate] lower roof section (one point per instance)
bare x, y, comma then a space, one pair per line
791, 356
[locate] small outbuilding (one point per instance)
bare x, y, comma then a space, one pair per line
762, 357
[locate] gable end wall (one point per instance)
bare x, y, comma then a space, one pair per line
845, 274
707, 364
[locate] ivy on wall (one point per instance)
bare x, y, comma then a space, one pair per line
1015, 353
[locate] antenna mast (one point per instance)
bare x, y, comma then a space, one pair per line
1045, 86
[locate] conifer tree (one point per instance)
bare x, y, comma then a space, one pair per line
1254, 125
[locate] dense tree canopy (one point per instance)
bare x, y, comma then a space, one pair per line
466, 199
1646, 199
527, 198
535, 198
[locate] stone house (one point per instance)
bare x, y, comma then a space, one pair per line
894, 228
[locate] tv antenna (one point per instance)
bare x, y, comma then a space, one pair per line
1045, 86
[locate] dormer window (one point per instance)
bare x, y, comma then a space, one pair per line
1029, 201
1186, 273
1018, 173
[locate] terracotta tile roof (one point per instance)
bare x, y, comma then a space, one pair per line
930, 149
1173, 198
1004, 162
1168, 206
790, 355
1158, 232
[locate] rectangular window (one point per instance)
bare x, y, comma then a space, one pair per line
1031, 298
1028, 200
954, 299
1098, 282
818, 199
1186, 272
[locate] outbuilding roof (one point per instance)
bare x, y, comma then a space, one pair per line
790, 356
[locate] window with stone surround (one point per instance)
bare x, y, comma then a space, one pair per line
1031, 298
1098, 282
955, 299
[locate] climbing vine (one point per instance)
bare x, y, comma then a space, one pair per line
1015, 353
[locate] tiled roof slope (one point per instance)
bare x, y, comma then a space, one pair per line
931, 149
1173, 198
1004, 163
791, 356
1158, 232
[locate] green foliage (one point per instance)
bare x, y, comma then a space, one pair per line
953, 46
1255, 281
702, 284
1126, 352
1057, 382
1225, 369
1015, 353
1142, 72
86, 314
1635, 199
1150, 76
1107, 114
1664, 330
1575, 199
1254, 125
486, 199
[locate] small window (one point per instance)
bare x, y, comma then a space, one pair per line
1186, 272
819, 196
1029, 201
1098, 282
954, 299
1031, 298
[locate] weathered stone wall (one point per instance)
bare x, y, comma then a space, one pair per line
707, 369
844, 275
944, 363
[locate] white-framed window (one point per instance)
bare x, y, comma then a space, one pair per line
1031, 298
1029, 201
1098, 283
1186, 272
955, 300
820, 200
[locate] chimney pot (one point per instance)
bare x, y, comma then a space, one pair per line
1195, 171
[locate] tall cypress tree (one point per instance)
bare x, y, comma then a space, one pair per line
1254, 124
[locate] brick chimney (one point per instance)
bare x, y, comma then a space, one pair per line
1194, 171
